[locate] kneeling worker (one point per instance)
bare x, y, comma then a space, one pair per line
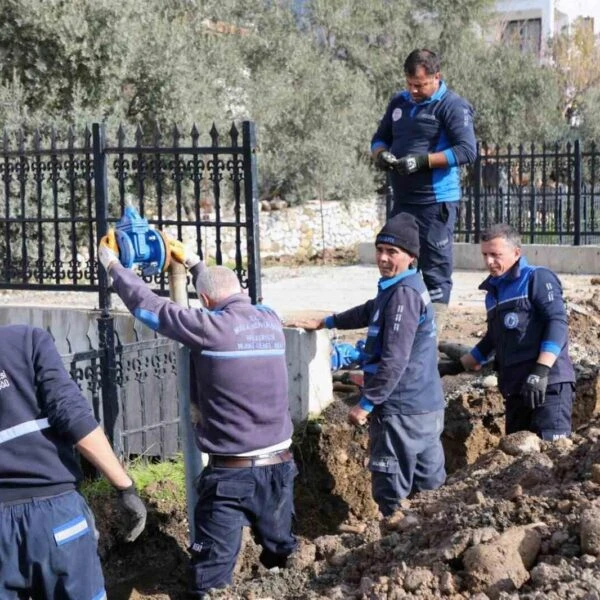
527, 329
402, 396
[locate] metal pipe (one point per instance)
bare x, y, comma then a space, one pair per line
192, 459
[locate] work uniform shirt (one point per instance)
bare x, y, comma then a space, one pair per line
443, 123
401, 374
42, 416
238, 373
525, 316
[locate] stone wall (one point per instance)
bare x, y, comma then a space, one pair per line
306, 229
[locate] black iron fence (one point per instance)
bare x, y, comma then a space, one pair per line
549, 193
60, 195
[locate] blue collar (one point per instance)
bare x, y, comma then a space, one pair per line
439, 94
513, 273
385, 282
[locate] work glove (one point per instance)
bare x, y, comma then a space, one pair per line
450, 367
386, 161
411, 163
135, 510
182, 255
108, 251
533, 390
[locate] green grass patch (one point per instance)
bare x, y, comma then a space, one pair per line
157, 480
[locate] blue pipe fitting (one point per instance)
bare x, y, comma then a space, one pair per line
139, 244
345, 356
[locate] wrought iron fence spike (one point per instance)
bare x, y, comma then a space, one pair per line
157, 133
234, 134
139, 135
195, 133
214, 135
121, 135
70, 137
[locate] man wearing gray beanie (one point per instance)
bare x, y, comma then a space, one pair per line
402, 395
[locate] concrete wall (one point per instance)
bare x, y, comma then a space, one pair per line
577, 260
307, 354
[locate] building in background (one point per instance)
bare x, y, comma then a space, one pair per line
530, 24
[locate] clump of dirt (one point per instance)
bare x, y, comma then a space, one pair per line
517, 517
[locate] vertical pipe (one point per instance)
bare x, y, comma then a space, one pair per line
191, 455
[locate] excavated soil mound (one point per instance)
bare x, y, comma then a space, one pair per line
517, 518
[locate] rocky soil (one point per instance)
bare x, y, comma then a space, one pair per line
517, 518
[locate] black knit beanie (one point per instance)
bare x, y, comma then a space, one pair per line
401, 231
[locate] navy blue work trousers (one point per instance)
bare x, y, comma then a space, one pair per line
550, 421
49, 550
436, 231
229, 499
406, 456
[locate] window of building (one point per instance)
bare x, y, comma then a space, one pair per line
525, 34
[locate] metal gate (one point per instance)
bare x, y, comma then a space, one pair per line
59, 196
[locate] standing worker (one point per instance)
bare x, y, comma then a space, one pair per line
239, 390
424, 137
48, 545
402, 396
527, 330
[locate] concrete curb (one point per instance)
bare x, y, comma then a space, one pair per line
578, 260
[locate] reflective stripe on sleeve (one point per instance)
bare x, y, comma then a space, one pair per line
23, 429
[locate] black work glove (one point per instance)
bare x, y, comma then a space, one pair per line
533, 390
135, 510
386, 161
450, 367
412, 163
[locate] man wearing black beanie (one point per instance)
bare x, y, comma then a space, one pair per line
402, 395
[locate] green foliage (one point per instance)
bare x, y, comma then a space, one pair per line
515, 100
149, 478
315, 78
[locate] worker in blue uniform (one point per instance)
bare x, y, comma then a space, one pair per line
239, 394
402, 397
424, 137
527, 330
48, 541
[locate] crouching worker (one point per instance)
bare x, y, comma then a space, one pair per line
48, 544
527, 330
239, 390
402, 396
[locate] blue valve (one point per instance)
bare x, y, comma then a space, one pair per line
345, 355
141, 245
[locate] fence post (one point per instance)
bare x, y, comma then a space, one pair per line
106, 326
577, 195
477, 194
251, 202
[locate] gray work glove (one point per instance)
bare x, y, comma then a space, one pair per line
450, 367
411, 163
533, 390
386, 161
135, 510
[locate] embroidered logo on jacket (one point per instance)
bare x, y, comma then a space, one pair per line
4, 382
511, 320
397, 114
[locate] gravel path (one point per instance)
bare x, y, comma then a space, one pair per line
313, 289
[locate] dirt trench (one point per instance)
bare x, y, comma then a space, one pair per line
545, 498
